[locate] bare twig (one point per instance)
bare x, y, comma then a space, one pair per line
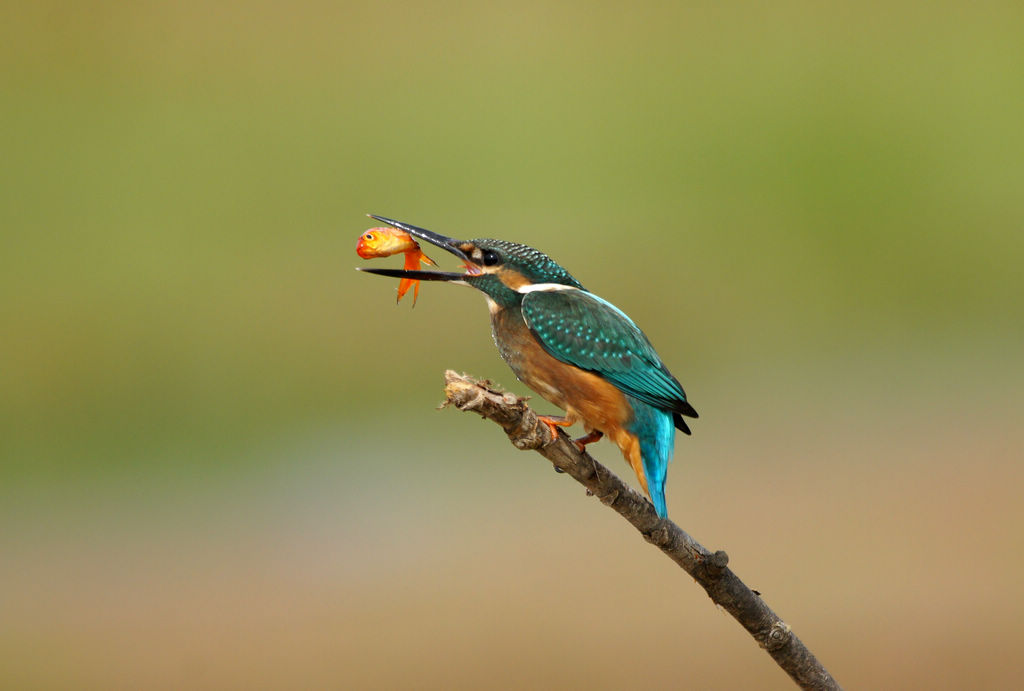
709, 569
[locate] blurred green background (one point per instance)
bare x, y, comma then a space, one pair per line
220, 465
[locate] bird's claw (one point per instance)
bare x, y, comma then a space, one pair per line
554, 423
588, 438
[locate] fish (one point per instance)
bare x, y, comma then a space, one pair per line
384, 242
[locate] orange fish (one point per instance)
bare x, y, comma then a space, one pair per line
383, 242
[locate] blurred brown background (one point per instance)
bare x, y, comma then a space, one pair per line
220, 466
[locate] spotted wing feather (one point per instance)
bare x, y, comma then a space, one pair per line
581, 329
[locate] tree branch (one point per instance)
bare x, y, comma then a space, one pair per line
709, 569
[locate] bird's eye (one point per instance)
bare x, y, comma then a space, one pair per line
491, 258
368, 236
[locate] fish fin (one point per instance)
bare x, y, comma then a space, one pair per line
403, 287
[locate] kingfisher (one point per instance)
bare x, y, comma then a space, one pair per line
575, 349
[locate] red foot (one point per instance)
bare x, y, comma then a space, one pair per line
554, 423
588, 438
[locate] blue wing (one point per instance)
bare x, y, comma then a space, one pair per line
581, 329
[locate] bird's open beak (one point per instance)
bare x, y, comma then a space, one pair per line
450, 244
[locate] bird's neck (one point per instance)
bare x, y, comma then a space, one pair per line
502, 296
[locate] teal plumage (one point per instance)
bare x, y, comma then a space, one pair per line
576, 349
581, 329
586, 331
657, 433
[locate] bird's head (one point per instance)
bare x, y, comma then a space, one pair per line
504, 270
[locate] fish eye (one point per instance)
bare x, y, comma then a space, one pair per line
368, 236
491, 258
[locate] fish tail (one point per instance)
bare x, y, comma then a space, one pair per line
403, 287
411, 264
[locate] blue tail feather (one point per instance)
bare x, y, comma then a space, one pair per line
657, 433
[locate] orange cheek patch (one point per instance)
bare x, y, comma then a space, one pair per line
513, 279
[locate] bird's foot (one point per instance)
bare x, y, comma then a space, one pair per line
554, 422
588, 438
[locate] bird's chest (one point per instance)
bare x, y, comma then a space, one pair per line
527, 358
583, 395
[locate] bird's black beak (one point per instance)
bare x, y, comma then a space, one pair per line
415, 275
450, 244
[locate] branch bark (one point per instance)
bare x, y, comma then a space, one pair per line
708, 568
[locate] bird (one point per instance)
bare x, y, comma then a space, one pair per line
574, 348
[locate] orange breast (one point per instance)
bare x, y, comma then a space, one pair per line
584, 396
